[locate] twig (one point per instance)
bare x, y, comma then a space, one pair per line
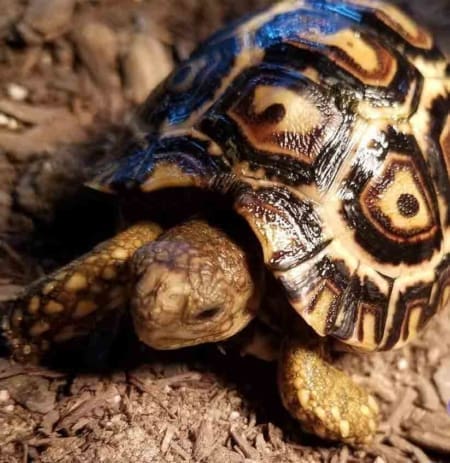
428, 395
430, 440
13, 255
180, 451
389, 454
147, 389
407, 447
167, 439
67, 421
177, 380
403, 407
241, 441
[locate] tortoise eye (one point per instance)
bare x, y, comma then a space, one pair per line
208, 314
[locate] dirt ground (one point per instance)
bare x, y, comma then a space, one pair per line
70, 73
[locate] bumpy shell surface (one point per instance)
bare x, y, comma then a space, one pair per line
328, 124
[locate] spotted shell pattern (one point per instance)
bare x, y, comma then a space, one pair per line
328, 124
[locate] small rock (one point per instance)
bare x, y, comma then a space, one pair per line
4, 395
17, 92
32, 392
402, 364
8, 122
234, 415
116, 399
442, 380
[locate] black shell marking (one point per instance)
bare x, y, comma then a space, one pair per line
328, 123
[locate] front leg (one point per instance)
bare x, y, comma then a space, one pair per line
324, 399
71, 301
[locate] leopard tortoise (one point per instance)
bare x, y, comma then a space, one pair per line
321, 129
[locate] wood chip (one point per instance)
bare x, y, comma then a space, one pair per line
168, 436
428, 395
180, 451
430, 440
390, 454
407, 447
33, 393
344, 454
275, 436
178, 380
32, 114
260, 443
86, 407
379, 385
49, 17
244, 446
403, 408
141, 75
223, 455
98, 47
51, 127
442, 380
48, 422
150, 390
204, 440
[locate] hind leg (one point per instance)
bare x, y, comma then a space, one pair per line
324, 399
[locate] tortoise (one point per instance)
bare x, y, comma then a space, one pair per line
309, 142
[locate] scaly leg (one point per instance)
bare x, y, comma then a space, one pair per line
324, 399
71, 301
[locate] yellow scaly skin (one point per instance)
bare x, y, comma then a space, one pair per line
323, 398
71, 301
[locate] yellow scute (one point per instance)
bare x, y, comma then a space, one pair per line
302, 115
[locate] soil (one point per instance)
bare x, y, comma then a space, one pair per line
70, 74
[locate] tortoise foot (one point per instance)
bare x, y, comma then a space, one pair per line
323, 398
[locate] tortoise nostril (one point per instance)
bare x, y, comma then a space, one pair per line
208, 313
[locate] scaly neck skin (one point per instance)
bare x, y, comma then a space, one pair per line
71, 301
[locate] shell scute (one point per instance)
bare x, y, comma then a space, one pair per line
328, 124
281, 122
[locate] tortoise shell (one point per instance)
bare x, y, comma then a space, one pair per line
328, 125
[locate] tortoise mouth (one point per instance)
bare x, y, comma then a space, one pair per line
185, 334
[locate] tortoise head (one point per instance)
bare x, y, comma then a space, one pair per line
193, 285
